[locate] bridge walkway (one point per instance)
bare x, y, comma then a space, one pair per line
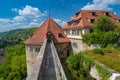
49, 66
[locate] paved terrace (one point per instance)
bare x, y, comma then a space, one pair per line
47, 65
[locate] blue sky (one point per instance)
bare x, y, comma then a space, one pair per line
29, 13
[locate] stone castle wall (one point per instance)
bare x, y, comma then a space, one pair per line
62, 49
77, 45
31, 54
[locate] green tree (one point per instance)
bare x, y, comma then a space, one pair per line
103, 24
105, 33
14, 67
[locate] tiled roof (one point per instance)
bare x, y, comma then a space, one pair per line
40, 34
86, 15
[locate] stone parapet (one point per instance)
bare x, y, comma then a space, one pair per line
35, 73
59, 65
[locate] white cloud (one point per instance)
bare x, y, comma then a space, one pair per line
4, 20
101, 4
33, 23
29, 11
19, 18
60, 22
27, 17
14, 9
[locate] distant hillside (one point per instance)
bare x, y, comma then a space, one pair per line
13, 65
15, 36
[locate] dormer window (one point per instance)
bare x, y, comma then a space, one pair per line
77, 13
106, 13
91, 20
118, 20
93, 14
60, 35
69, 23
76, 22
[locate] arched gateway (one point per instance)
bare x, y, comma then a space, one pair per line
49, 36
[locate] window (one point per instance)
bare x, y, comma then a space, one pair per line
37, 49
78, 32
91, 20
76, 22
106, 13
73, 32
31, 48
69, 23
75, 45
77, 14
93, 14
60, 35
118, 20
67, 31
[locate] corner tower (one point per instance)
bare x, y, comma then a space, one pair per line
51, 31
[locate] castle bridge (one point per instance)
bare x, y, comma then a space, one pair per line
42, 50
47, 65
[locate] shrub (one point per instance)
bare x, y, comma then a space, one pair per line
73, 61
1, 54
80, 65
98, 51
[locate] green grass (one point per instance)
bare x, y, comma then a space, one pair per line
105, 74
111, 60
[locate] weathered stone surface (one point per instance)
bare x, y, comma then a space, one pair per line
61, 75
34, 71
46, 65
31, 56
94, 73
117, 78
78, 45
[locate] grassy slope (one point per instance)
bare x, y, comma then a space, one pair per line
111, 60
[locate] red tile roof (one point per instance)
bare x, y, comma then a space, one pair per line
40, 34
85, 15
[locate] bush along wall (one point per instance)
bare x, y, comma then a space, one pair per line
80, 66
